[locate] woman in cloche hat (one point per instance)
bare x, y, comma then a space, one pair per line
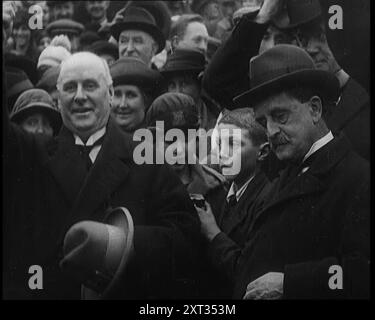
135, 87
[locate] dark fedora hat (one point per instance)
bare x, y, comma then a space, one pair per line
300, 12
133, 71
286, 66
97, 254
160, 12
184, 60
139, 19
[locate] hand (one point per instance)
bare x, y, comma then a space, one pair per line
269, 10
209, 227
268, 287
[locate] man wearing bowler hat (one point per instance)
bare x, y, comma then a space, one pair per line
138, 35
301, 23
314, 218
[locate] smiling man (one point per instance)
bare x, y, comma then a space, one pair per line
316, 214
97, 11
86, 171
138, 35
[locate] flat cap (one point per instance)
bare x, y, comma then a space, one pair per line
64, 26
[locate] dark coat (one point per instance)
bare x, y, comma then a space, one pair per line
318, 219
49, 191
352, 117
225, 249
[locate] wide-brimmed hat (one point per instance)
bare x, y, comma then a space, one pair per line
133, 71
36, 100
299, 12
160, 12
286, 66
97, 254
184, 60
139, 19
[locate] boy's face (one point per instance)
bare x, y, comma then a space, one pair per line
238, 154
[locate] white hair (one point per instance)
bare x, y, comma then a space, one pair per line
85, 55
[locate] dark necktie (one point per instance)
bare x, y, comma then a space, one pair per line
227, 217
84, 151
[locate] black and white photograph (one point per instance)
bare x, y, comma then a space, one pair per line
211, 151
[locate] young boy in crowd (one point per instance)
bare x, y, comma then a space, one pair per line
243, 144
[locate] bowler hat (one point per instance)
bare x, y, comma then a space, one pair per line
97, 254
300, 12
133, 71
286, 66
64, 26
176, 110
139, 19
160, 12
184, 60
36, 100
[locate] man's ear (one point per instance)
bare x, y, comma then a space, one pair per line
264, 150
316, 108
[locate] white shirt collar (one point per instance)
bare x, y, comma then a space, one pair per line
319, 144
93, 138
233, 190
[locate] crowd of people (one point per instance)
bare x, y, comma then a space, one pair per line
79, 92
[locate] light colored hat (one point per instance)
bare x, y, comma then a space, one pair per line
56, 52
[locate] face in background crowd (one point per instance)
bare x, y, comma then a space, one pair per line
185, 83
195, 37
136, 43
228, 8
292, 126
128, 107
211, 11
85, 89
37, 123
63, 10
43, 43
22, 36
311, 37
97, 10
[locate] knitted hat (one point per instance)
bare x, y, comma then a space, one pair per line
56, 52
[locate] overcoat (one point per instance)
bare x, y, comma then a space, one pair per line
48, 190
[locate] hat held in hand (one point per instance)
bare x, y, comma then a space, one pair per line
97, 254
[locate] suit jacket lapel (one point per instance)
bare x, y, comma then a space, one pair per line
108, 172
240, 213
